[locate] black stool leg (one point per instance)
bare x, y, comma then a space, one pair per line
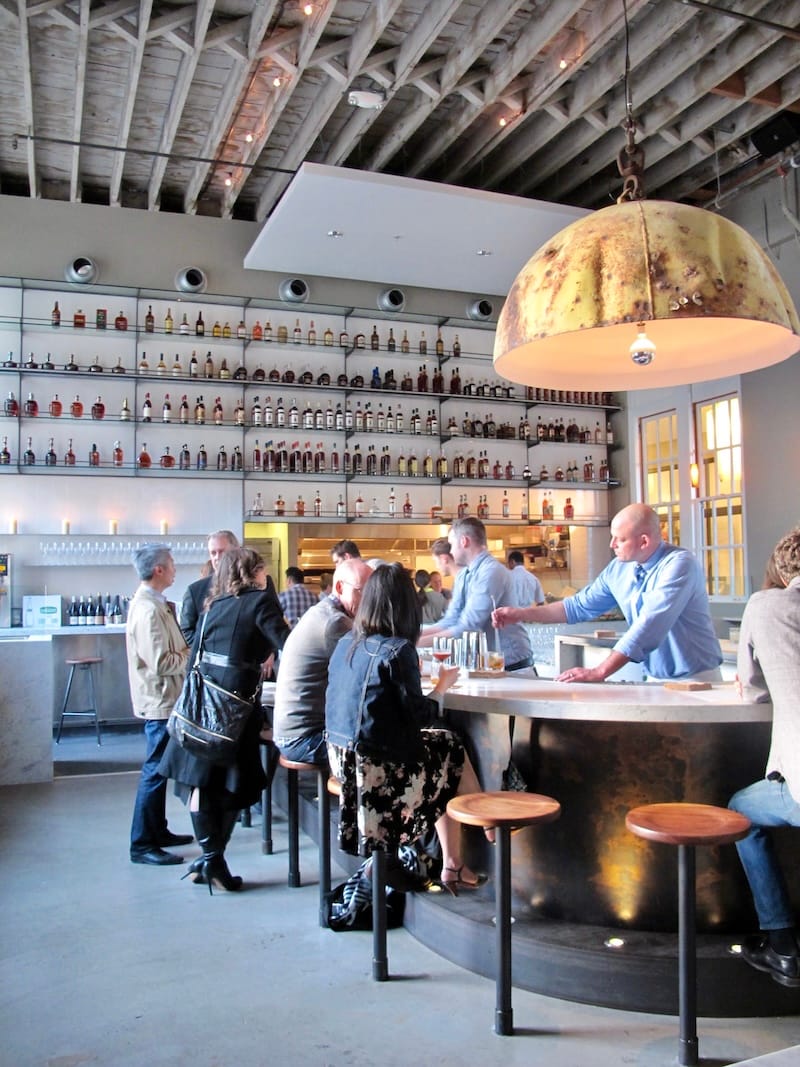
90, 669
270, 763
687, 958
503, 1013
380, 960
245, 818
324, 812
64, 704
294, 829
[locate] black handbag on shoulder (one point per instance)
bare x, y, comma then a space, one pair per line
207, 720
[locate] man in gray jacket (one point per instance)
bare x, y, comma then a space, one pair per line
769, 668
299, 716
157, 659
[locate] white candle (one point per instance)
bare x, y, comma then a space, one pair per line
65, 526
13, 526
113, 527
164, 527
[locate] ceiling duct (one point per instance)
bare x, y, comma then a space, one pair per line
392, 300
81, 271
191, 280
293, 291
480, 310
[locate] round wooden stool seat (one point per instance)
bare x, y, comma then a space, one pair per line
687, 824
84, 661
295, 765
503, 809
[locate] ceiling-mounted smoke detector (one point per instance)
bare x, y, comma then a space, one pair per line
191, 280
480, 310
366, 99
293, 291
392, 300
81, 271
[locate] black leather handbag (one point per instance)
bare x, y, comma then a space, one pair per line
207, 720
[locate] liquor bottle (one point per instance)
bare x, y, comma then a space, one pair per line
149, 320
226, 330
437, 381
317, 505
256, 456
194, 366
161, 366
79, 319
224, 373
603, 473
510, 471
167, 461
258, 331
5, 455
391, 344
29, 456
523, 512
98, 409
208, 369
218, 415
456, 347
280, 413
55, 315
76, 408
413, 464
506, 505
311, 337
359, 341
202, 458
200, 326
239, 414
50, 459
168, 321
280, 505
95, 367
73, 612
335, 462
357, 461
71, 365
497, 470
300, 507
609, 434
144, 366
30, 362
11, 405
569, 510
422, 380
240, 374
31, 407
69, 457
358, 507
402, 465
405, 347
340, 507
147, 408
184, 458
267, 331
427, 464
408, 509
121, 321
144, 461
216, 329
588, 469
267, 415
455, 382
423, 344
526, 473
297, 333
257, 507
256, 413
439, 343
166, 409
82, 612
199, 412
116, 455
294, 416
94, 456
441, 465
222, 459
371, 462
374, 340
282, 335
344, 338
10, 363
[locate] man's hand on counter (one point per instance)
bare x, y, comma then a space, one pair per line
582, 674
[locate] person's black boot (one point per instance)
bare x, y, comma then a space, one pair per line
212, 833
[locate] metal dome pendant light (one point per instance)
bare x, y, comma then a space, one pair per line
644, 294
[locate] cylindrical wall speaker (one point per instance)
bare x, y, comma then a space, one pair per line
480, 310
392, 300
191, 280
293, 291
81, 270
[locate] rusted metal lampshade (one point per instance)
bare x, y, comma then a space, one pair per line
708, 297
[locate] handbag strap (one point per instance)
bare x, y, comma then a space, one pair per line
199, 653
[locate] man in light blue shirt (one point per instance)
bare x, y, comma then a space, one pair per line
527, 587
482, 584
660, 590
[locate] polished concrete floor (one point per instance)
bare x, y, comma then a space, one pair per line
108, 963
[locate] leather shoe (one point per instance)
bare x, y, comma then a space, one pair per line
170, 840
785, 970
156, 856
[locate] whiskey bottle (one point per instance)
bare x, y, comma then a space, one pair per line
216, 329
78, 319
147, 408
317, 506
422, 380
300, 507
391, 344
456, 347
144, 461
98, 409
258, 331
237, 460
405, 347
569, 510
239, 415
297, 333
241, 330
224, 373
222, 459
392, 508
311, 337
94, 456
125, 411
166, 409
257, 507
50, 459
408, 510
11, 405
218, 415
439, 343
523, 511
69, 457
240, 374
267, 334
506, 505
282, 334
208, 369
30, 362
116, 455
177, 367
200, 326
144, 366
149, 321
437, 381
161, 367
358, 508
184, 327
344, 338
423, 344
374, 340
71, 365
121, 321
168, 321
194, 366
10, 363
31, 407
55, 315
280, 413
199, 412
95, 366
340, 508
76, 408
359, 341
226, 330
202, 458
5, 455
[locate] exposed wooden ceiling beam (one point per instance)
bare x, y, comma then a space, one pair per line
129, 100
84, 10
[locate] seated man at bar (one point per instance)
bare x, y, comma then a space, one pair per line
769, 669
660, 589
299, 715
484, 584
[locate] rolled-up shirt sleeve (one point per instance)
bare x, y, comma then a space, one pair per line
661, 607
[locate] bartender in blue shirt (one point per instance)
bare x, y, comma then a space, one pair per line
482, 584
660, 589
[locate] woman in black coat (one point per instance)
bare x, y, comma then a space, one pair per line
242, 626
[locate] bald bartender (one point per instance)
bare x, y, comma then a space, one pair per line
660, 589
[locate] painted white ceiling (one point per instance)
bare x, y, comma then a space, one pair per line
403, 231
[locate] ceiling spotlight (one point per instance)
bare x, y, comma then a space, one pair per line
276, 82
483, 252
308, 9
248, 138
503, 122
562, 65
335, 233
366, 99
229, 179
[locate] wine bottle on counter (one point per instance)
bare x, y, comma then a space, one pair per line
81, 616
99, 612
72, 612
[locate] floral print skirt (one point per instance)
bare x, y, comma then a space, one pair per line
385, 804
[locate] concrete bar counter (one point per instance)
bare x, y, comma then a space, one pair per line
584, 881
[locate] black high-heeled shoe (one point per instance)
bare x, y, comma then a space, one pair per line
216, 873
195, 871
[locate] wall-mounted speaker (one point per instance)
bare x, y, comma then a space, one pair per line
480, 310
781, 131
293, 291
81, 271
392, 300
191, 280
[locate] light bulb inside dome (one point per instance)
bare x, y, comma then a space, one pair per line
643, 350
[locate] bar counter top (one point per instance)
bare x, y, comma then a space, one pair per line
24, 633
538, 698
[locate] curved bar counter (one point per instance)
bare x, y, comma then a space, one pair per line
601, 750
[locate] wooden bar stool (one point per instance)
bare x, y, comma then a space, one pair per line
503, 812
85, 665
687, 825
293, 769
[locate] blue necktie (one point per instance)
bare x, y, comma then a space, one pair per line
640, 574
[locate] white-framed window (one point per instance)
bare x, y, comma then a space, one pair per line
720, 497
660, 470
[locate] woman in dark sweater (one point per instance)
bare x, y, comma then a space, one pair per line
397, 766
242, 626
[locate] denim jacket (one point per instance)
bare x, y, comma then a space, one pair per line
374, 702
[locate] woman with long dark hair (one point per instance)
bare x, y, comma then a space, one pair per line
397, 766
242, 626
